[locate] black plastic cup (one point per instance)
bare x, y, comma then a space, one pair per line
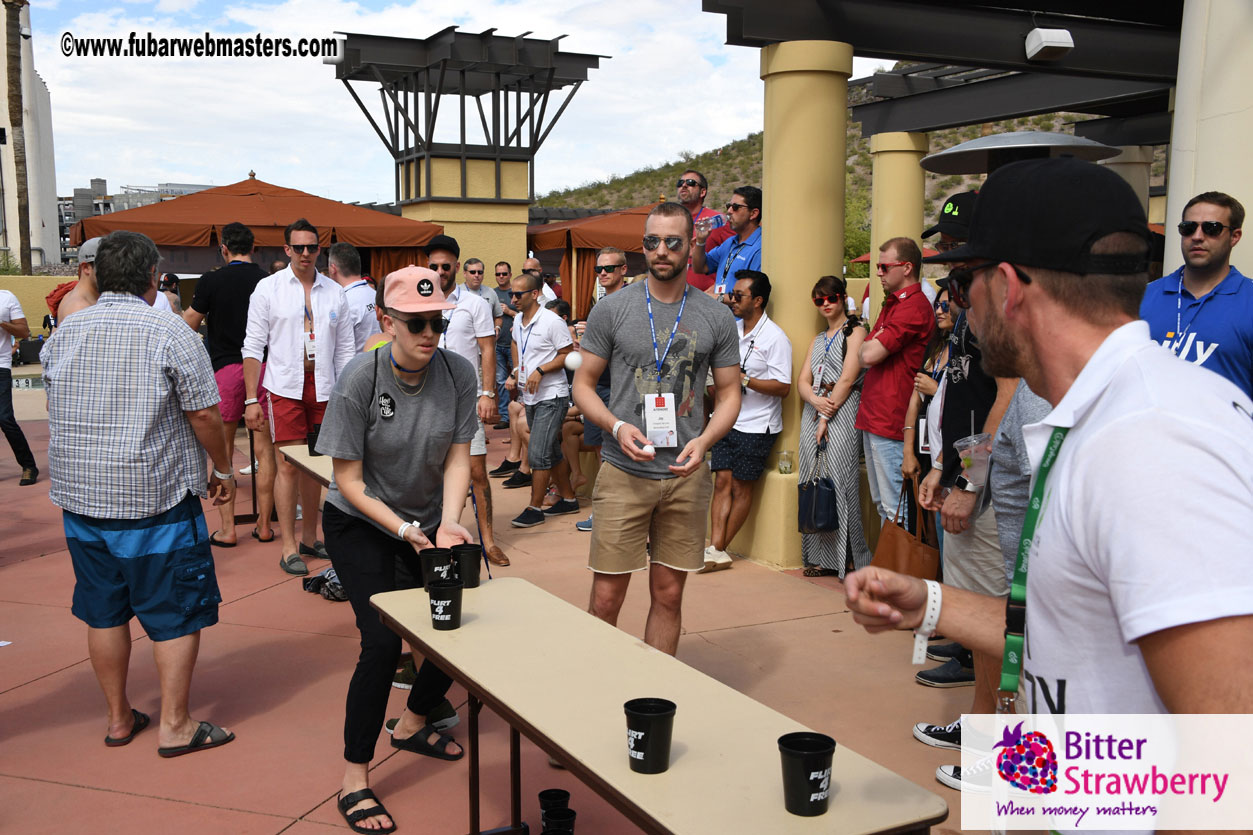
312, 438
553, 799
466, 559
437, 564
806, 760
559, 820
650, 723
445, 604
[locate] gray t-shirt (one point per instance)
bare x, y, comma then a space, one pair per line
489, 295
401, 438
1010, 475
618, 331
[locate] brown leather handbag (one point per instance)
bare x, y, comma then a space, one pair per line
905, 553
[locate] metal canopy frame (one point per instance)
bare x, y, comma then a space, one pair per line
517, 87
927, 97
1128, 39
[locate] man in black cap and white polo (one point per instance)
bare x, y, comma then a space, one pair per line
1128, 608
471, 332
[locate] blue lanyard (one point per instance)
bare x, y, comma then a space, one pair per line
526, 329
731, 255
648, 298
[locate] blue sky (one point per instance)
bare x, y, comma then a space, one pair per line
671, 86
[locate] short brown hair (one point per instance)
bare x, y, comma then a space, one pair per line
674, 210
907, 250
1217, 198
611, 250
1099, 299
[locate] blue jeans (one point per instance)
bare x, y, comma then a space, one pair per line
883, 471
504, 364
8, 422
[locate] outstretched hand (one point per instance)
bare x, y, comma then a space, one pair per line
882, 600
450, 534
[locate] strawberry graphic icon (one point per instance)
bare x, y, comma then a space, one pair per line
1028, 761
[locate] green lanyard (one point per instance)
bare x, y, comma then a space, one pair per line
1016, 605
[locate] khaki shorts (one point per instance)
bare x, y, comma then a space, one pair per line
973, 560
667, 514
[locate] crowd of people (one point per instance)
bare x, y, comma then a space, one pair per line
679, 373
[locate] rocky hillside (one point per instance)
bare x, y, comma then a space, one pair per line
739, 163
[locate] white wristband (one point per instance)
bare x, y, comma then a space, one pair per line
616, 426
929, 620
226, 476
404, 526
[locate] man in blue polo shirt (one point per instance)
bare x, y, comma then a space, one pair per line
741, 252
1203, 311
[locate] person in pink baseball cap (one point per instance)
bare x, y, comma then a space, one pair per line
398, 429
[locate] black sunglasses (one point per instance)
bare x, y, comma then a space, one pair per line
306, 248
673, 242
819, 301
419, 323
687, 182
474, 272
961, 279
942, 306
443, 268
735, 207
1211, 228
502, 275
607, 268
517, 294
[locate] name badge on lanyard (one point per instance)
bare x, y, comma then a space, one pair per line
311, 346
660, 424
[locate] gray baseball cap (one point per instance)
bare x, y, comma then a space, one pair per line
87, 252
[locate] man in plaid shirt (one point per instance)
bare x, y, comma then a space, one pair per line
132, 409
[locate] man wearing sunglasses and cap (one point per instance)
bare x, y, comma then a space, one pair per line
1203, 311
470, 332
1119, 604
302, 317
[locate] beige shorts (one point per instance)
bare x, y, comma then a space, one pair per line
666, 514
973, 560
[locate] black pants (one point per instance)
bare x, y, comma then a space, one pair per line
368, 562
8, 423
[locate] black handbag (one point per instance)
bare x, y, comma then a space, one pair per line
815, 512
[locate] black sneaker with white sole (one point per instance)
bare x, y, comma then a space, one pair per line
562, 507
940, 736
517, 479
528, 518
949, 674
506, 467
978, 778
943, 652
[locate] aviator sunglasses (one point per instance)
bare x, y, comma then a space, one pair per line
1211, 228
673, 242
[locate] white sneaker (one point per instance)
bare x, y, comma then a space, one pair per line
249, 470
715, 560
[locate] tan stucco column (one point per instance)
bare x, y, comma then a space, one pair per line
897, 189
806, 103
1134, 165
1213, 115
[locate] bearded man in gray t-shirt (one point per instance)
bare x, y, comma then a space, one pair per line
659, 342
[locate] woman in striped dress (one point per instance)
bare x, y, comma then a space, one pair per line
830, 385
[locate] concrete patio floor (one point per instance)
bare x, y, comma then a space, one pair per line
275, 671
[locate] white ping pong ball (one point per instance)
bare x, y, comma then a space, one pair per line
573, 360
650, 449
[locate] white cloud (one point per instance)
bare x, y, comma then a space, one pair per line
671, 85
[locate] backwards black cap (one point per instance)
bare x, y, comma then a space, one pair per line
1047, 213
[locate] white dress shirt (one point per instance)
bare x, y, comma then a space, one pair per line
765, 354
276, 317
471, 319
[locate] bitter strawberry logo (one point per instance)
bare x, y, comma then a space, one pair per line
1028, 761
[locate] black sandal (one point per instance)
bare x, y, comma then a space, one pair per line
417, 744
354, 819
815, 571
